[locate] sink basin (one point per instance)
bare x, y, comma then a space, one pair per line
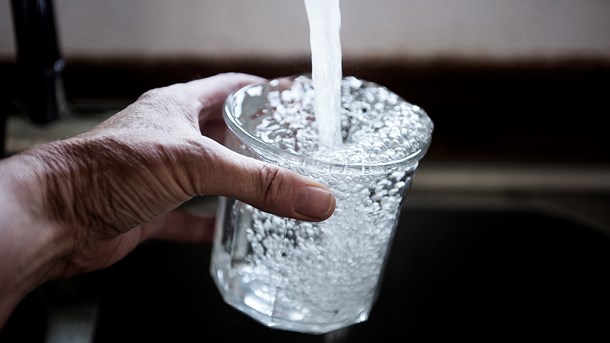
493, 274
452, 273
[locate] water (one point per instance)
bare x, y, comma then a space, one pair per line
325, 26
376, 124
311, 277
317, 277
360, 139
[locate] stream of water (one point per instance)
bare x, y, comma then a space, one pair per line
325, 26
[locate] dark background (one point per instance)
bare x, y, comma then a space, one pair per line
477, 274
526, 111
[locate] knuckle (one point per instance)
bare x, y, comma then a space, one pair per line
271, 180
152, 94
159, 100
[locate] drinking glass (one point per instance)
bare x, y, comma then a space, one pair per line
316, 277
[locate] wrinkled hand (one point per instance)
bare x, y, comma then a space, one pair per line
97, 195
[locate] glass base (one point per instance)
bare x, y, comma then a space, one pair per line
257, 300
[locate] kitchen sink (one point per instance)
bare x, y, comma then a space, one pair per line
504, 236
453, 273
481, 252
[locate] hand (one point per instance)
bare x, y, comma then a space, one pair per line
83, 203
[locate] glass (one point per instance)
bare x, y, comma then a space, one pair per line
317, 277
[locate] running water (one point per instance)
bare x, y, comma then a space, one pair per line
325, 26
319, 276
365, 144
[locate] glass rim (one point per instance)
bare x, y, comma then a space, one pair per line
247, 138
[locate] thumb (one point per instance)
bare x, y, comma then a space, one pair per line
268, 187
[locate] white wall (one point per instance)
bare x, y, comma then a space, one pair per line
373, 28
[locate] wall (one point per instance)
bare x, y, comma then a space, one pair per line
498, 29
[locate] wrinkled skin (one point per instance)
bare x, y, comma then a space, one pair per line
83, 203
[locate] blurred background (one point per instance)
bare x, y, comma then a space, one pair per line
502, 79
517, 89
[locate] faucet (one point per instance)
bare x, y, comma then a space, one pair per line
39, 61
40, 90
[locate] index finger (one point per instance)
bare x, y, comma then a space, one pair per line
212, 91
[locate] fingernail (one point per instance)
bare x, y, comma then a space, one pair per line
315, 202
